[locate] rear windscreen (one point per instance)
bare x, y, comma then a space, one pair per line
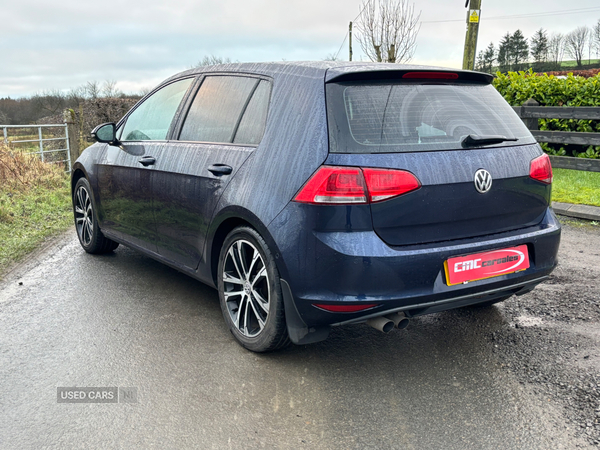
388, 117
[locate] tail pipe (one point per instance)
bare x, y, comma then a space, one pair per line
385, 324
400, 320
381, 323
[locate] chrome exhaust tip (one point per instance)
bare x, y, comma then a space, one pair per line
381, 323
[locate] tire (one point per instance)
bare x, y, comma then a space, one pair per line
250, 292
86, 221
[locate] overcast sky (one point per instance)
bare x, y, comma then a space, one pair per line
137, 43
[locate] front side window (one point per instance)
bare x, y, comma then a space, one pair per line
228, 109
152, 119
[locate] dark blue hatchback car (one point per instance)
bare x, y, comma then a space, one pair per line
314, 195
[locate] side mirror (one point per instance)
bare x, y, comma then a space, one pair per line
106, 133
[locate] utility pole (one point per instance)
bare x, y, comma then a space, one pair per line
350, 40
473, 18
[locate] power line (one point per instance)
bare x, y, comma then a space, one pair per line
346, 37
341, 46
524, 16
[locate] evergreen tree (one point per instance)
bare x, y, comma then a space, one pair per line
520, 49
505, 53
479, 64
489, 57
539, 47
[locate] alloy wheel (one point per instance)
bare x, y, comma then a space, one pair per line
246, 288
84, 215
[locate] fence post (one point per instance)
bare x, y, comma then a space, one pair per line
72, 133
41, 143
532, 124
69, 162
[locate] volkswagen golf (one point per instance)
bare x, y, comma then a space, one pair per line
315, 195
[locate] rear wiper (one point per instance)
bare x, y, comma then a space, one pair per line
474, 140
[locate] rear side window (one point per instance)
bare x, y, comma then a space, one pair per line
406, 117
152, 119
228, 109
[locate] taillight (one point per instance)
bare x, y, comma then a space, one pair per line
345, 308
540, 169
346, 185
334, 185
384, 184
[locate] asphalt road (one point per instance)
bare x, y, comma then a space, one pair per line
71, 319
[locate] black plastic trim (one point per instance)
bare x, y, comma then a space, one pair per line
298, 331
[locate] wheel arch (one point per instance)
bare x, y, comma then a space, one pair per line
227, 221
78, 173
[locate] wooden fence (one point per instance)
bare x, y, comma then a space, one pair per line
531, 112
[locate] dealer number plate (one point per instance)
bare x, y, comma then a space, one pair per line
480, 266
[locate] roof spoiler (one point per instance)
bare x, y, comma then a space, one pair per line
432, 75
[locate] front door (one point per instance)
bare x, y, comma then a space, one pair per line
125, 171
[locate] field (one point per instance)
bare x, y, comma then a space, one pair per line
574, 186
585, 62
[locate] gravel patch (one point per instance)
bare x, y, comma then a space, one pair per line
551, 336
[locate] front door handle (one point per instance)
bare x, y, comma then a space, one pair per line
220, 169
147, 161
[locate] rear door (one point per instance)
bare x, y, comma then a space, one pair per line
421, 125
224, 124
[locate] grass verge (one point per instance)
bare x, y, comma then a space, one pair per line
575, 186
35, 204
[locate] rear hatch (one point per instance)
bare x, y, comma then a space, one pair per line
442, 127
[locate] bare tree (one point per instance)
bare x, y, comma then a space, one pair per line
596, 38
388, 29
91, 89
49, 102
331, 57
109, 89
212, 60
556, 48
575, 43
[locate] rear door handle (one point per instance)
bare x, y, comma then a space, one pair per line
147, 161
220, 169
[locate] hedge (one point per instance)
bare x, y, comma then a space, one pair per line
548, 90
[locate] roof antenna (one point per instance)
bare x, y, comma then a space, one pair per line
467, 4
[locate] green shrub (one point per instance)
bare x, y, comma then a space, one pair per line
549, 90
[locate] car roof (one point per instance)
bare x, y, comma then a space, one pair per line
327, 70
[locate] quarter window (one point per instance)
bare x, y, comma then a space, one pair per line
152, 119
253, 122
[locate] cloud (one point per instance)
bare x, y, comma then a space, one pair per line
61, 45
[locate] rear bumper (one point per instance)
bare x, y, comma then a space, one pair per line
454, 302
358, 267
